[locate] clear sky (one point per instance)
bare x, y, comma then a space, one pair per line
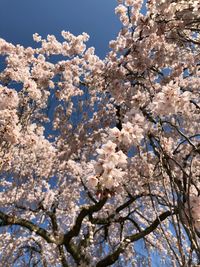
19, 19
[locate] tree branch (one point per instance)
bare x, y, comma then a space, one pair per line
71, 248
112, 258
84, 212
8, 220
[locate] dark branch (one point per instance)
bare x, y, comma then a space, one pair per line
112, 258
8, 220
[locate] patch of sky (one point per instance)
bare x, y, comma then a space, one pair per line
19, 20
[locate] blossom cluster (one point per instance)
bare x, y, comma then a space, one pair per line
110, 167
9, 121
170, 100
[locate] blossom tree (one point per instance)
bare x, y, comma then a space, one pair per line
100, 159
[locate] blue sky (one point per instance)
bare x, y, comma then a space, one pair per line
19, 19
